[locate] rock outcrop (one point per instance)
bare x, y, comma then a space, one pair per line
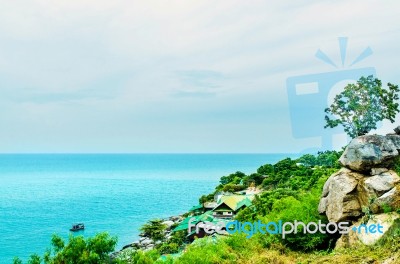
371, 151
340, 198
347, 192
146, 243
366, 185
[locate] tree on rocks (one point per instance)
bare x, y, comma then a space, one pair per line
362, 105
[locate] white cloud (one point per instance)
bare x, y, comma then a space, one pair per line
123, 73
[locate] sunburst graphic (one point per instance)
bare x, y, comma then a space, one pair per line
343, 49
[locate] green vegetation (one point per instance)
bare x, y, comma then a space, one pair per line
174, 244
154, 229
238, 249
360, 106
291, 191
78, 250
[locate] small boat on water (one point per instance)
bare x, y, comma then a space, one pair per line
77, 227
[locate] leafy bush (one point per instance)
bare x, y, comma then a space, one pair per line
304, 210
206, 198
78, 250
235, 248
234, 178
140, 257
254, 178
154, 229
174, 244
233, 187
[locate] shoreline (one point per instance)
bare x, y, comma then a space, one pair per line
144, 242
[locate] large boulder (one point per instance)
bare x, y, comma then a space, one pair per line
339, 200
346, 193
371, 151
383, 182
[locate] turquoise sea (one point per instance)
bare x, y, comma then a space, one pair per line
43, 194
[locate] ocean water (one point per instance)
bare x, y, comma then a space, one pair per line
44, 194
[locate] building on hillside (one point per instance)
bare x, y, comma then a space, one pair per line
208, 206
209, 215
196, 210
219, 194
211, 227
228, 206
184, 225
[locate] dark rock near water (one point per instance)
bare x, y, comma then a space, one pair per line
146, 243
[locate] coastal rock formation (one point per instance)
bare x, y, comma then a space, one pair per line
339, 198
371, 151
346, 193
146, 243
366, 182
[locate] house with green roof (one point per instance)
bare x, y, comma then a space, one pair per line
184, 225
197, 209
228, 206
202, 222
225, 208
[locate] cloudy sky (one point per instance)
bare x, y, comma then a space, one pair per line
175, 76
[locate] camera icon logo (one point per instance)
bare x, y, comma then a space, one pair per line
308, 96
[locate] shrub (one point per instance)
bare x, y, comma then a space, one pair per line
78, 250
154, 229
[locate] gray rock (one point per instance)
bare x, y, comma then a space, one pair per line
168, 223
146, 242
127, 246
340, 202
397, 130
376, 171
370, 151
325, 190
174, 218
382, 182
346, 192
395, 140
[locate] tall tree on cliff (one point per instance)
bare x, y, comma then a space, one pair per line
362, 105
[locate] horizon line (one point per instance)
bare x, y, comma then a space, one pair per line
142, 153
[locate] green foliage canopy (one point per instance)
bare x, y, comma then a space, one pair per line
78, 250
360, 106
154, 229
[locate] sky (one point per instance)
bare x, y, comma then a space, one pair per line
96, 76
